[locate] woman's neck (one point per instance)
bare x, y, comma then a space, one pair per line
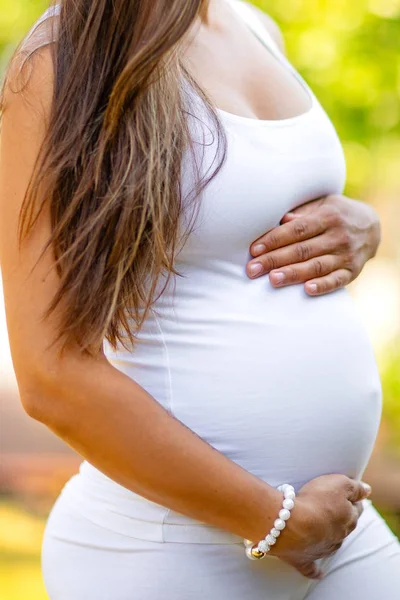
209, 10
210, 17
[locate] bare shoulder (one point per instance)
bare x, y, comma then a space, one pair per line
27, 92
26, 102
271, 25
26, 98
29, 77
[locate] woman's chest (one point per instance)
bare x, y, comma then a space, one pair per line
269, 169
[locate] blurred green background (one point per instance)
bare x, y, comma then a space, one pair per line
350, 54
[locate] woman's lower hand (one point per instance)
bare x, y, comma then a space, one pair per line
324, 243
326, 511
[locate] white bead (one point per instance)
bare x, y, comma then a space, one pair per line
284, 514
270, 540
287, 487
275, 532
279, 524
290, 495
263, 546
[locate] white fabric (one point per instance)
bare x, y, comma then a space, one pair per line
83, 561
284, 384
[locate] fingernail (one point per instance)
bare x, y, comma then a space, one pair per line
367, 487
259, 249
255, 268
278, 277
313, 288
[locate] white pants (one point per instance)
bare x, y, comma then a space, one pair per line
82, 560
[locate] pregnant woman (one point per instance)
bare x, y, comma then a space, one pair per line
225, 398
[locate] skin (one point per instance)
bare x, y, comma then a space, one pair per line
324, 243
100, 412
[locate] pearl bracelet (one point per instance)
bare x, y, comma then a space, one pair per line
260, 550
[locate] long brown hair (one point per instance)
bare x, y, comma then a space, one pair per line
110, 164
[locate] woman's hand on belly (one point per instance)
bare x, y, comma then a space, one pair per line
324, 243
326, 511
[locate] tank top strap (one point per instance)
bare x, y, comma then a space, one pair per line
43, 39
258, 28
252, 20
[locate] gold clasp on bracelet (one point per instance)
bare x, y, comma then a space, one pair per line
252, 551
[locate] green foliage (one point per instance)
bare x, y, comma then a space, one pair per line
390, 375
16, 16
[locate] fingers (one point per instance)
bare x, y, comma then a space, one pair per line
305, 271
358, 507
358, 490
322, 247
356, 511
297, 230
335, 549
309, 569
329, 283
305, 209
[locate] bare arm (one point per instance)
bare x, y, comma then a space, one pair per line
106, 416
100, 412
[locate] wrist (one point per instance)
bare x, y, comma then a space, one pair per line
259, 549
264, 514
298, 528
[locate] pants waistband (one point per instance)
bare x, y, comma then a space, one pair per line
106, 511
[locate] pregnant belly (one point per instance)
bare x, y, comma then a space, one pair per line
283, 384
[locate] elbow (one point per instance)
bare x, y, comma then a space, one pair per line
50, 390
34, 404
39, 395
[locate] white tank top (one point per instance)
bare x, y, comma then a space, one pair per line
284, 384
